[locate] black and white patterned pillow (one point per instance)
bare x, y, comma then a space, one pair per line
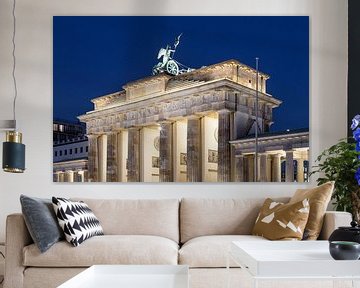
77, 220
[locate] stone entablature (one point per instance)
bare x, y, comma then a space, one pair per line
154, 86
267, 143
210, 96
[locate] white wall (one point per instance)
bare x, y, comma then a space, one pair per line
328, 22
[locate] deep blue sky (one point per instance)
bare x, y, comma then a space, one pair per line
94, 56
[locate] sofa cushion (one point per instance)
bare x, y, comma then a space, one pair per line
211, 251
77, 220
158, 217
107, 249
319, 198
279, 221
41, 221
201, 217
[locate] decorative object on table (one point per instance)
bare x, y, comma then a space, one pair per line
13, 149
341, 163
351, 233
344, 250
279, 221
319, 198
77, 220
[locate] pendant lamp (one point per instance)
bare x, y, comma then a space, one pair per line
13, 159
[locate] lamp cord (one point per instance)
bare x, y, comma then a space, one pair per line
14, 60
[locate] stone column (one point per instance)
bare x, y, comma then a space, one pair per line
69, 176
86, 176
56, 177
276, 168
61, 176
121, 172
102, 156
224, 156
93, 158
300, 170
240, 168
165, 152
193, 149
250, 167
134, 155
112, 165
263, 167
289, 172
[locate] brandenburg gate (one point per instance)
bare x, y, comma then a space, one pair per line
192, 127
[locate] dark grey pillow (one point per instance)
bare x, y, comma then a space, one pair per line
41, 221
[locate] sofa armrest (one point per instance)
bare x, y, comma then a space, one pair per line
333, 220
17, 237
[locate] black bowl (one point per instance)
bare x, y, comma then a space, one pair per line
344, 250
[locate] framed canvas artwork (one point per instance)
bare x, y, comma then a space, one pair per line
181, 99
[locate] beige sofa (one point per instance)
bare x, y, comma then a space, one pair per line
194, 232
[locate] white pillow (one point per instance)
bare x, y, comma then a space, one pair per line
76, 220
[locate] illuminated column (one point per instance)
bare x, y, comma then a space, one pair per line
93, 158
240, 168
194, 149
263, 167
86, 176
300, 170
80, 176
69, 176
276, 168
289, 172
112, 165
61, 176
102, 157
120, 156
250, 167
224, 156
56, 177
166, 152
134, 154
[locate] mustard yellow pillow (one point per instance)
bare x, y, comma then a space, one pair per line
279, 221
319, 198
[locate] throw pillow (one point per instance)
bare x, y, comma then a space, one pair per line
319, 198
279, 221
77, 220
41, 222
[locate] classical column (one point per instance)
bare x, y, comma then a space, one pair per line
121, 168
276, 168
289, 172
165, 152
69, 176
250, 159
93, 158
80, 176
102, 157
56, 177
240, 168
224, 156
112, 165
61, 176
86, 176
300, 170
263, 167
134, 155
193, 149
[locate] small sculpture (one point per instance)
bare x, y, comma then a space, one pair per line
168, 64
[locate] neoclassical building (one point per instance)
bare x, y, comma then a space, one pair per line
194, 127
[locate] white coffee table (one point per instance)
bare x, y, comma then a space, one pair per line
131, 276
292, 260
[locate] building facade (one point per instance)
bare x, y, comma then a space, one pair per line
180, 128
70, 154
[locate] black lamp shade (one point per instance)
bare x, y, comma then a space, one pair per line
13, 157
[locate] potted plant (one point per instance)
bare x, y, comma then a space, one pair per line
341, 163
